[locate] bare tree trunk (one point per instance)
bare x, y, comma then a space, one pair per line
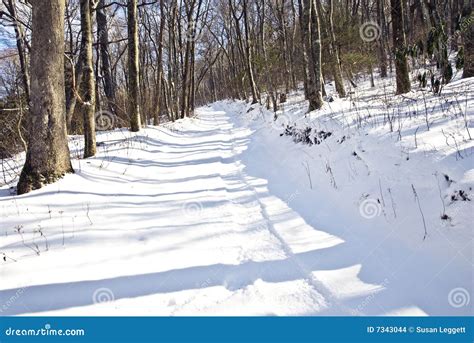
20, 44
371, 74
399, 45
313, 49
158, 91
293, 46
88, 86
248, 55
133, 67
468, 38
284, 45
186, 71
315, 44
304, 38
47, 158
173, 71
213, 85
382, 39
334, 53
192, 94
103, 37
71, 98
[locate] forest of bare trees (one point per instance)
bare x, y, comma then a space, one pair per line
77, 66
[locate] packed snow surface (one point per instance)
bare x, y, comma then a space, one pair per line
231, 213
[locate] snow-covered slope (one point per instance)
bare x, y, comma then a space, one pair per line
224, 214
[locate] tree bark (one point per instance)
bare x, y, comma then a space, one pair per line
88, 86
103, 37
304, 32
399, 45
334, 53
187, 69
313, 50
133, 67
280, 8
248, 55
382, 39
47, 158
159, 77
468, 37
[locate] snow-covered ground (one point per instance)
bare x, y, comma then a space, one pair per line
223, 214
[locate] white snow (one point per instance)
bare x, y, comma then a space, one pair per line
215, 215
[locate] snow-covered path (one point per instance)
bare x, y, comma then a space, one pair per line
197, 220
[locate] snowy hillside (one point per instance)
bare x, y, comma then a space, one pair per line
232, 213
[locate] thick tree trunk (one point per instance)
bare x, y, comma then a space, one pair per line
316, 55
399, 45
103, 35
468, 37
47, 158
88, 86
133, 67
